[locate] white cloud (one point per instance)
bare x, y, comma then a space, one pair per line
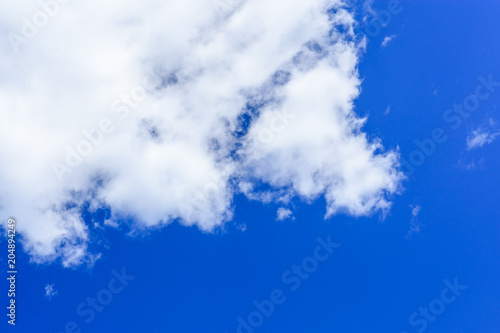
387, 40
481, 137
471, 164
415, 225
368, 10
167, 84
283, 214
415, 210
50, 291
241, 227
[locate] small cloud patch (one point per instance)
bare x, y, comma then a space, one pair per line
50, 291
480, 137
283, 214
415, 225
387, 40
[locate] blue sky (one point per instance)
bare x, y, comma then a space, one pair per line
441, 229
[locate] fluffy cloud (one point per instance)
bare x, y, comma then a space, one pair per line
283, 214
162, 111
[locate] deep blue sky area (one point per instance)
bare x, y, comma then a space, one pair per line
190, 281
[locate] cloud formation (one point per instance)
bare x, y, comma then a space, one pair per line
50, 291
481, 137
387, 40
163, 111
283, 214
415, 224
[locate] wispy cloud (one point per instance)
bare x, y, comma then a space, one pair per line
471, 164
50, 292
387, 111
387, 40
481, 137
415, 225
241, 227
